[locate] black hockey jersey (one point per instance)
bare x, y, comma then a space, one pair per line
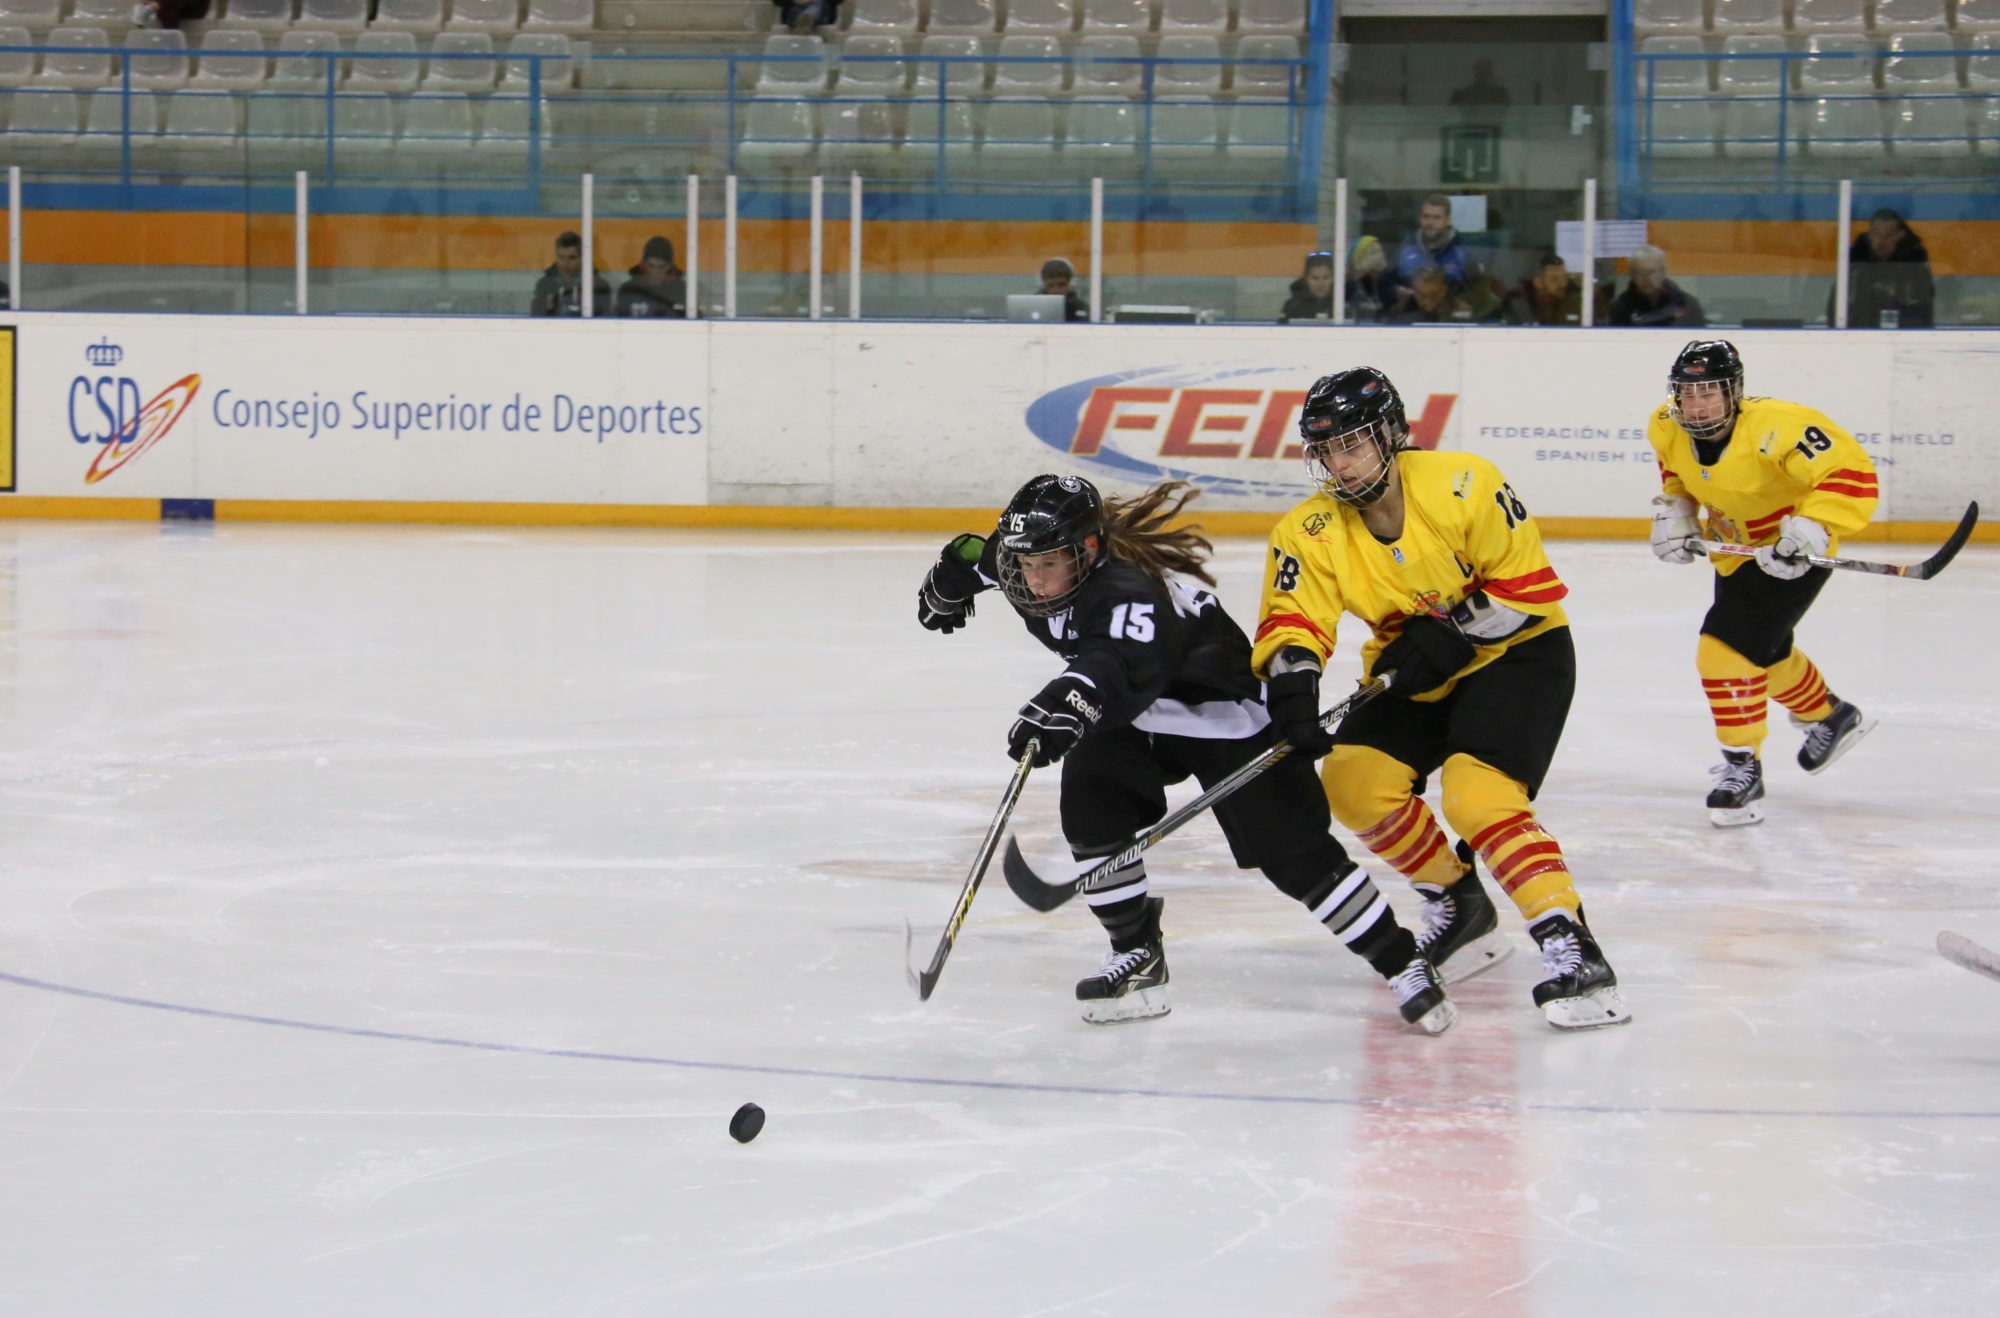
1163, 656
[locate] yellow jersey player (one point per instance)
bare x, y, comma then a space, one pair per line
1789, 481
1437, 554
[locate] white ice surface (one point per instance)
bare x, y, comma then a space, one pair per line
640, 816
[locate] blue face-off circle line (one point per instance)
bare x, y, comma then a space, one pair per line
941, 1082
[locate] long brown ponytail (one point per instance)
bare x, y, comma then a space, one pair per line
1140, 531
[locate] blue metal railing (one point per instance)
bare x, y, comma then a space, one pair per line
349, 139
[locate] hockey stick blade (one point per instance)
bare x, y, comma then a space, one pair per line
1923, 571
1962, 951
1042, 895
1034, 893
925, 981
1936, 563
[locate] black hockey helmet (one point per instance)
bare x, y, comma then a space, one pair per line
1347, 409
1706, 362
1050, 514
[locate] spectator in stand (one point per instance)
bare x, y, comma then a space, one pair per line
1548, 297
657, 286
1889, 280
1369, 285
169, 14
559, 292
1432, 302
1312, 291
1059, 277
1435, 243
806, 17
1651, 300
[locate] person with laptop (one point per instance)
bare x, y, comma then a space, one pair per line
1059, 279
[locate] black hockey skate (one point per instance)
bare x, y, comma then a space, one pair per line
1421, 998
1739, 787
1461, 933
1131, 984
1581, 992
1833, 736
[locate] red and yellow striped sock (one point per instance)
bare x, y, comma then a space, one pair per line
1737, 692
1370, 794
1797, 685
1491, 811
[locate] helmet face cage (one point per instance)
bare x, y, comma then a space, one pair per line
1075, 557
1051, 521
1343, 412
1731, 391
1375, 436
1706, 368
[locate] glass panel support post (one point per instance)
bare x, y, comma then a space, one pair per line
1096, 250
1840, 266
1340, 251
301, 240
587, 294
694, 248
729, 247
854, 247
17, 302
1589, 252
816, 259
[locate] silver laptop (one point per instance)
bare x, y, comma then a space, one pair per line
1036, 306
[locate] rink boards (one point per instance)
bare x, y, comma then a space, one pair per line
882, 424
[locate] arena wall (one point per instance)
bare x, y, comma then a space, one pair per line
885, 425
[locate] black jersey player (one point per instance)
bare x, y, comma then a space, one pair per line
1158, 688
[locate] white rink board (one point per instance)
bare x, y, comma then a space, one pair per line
914, 415
298, 408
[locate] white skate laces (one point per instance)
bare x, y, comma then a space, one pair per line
1561, 953
1410, 981
1116, 965
1437, 915
1739, 775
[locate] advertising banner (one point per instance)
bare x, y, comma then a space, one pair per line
899, 415
364, 409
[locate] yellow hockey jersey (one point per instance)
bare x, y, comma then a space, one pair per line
1464, 529
1781, 459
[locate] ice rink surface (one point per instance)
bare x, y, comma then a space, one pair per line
391, 919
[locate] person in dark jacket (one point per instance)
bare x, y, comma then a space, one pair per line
1653, 301
1889, 281
1370, 286
170, 14
657, 286
1059, 277
559, 292
1549, 297
1312, 291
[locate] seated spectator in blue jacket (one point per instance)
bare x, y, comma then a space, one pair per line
1435, 243
1651, 300
657, 286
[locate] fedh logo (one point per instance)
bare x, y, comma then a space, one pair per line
104, 409
1181, 422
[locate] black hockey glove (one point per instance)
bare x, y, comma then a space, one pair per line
1427, 655
944, 601
1293, 699
1057, 717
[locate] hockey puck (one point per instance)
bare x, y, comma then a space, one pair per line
749, 1119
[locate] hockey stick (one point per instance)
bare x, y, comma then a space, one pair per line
1923, 571
925, 981
1043, 895
1960, 950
